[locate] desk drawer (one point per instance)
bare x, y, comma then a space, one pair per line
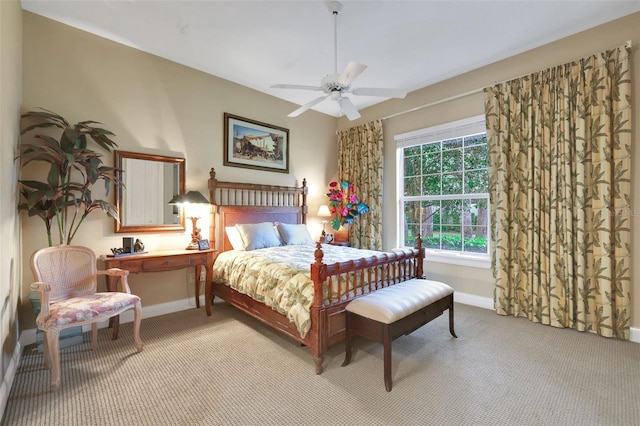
164, 263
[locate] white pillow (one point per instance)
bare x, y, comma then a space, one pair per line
294, 234
258, 235
234, 237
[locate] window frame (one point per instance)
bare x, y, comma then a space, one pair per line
450, 130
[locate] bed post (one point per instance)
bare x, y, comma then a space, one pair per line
214, 208
318, 317
304, 206
420, 261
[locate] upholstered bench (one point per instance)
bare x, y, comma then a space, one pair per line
391, 312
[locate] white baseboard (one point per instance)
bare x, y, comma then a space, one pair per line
487, 303
473, 300
10, 374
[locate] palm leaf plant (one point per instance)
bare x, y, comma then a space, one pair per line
65, 197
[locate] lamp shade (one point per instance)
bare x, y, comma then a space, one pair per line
177, 199
323, 211
195, 197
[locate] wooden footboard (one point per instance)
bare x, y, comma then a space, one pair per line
369, 274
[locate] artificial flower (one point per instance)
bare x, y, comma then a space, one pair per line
344, 204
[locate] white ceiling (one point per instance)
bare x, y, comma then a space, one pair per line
405, 44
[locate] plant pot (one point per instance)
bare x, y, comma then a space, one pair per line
342, 234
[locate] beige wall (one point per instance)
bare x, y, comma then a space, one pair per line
10, 256
473, 280
154, 105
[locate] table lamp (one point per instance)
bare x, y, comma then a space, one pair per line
323, 211
191, 197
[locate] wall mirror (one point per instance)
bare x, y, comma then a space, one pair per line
150, 182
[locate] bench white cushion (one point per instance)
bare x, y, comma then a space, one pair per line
391, 304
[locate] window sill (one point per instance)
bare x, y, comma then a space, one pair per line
477, 261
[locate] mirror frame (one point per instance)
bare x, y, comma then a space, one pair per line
119, 157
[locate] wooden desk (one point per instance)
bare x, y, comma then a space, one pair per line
158, 261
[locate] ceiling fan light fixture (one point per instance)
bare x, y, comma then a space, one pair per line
337, 84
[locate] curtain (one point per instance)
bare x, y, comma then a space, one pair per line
360, 157
560, 190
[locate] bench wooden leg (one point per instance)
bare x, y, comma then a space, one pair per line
451, 330
387, 357
347, 340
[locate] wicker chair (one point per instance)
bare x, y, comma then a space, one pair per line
67, 286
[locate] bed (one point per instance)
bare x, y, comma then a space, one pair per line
331, 284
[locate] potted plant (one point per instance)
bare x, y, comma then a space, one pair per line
65, 196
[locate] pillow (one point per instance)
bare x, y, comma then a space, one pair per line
258, 235
234, 237
294, 234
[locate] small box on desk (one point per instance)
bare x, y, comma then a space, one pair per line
127, 245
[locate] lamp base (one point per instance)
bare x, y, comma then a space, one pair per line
192, 246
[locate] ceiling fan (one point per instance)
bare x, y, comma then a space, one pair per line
336, 85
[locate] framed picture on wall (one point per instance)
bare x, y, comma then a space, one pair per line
255, 145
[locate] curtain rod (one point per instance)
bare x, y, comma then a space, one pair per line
627, 45
418, 108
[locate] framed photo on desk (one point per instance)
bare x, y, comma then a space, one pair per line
203, 245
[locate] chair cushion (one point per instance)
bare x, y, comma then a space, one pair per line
97, 306
393, 303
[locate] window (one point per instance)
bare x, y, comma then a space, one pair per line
443, 191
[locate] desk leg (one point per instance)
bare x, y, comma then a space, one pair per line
198, 275
208, 286
114, 322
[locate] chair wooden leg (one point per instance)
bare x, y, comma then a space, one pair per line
137, 319
53, 339
114, 323
45, 352
94, 336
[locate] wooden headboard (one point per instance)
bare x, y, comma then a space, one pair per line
237, 202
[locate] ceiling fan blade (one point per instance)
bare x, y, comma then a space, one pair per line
383, 93
295, 86
351, 71
306, 106
349, 109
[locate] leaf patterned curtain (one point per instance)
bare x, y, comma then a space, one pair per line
560, 191
360, 157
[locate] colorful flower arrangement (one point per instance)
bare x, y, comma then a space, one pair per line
344, 204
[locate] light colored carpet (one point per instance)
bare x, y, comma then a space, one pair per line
229, 369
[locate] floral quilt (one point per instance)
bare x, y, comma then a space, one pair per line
280, 277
